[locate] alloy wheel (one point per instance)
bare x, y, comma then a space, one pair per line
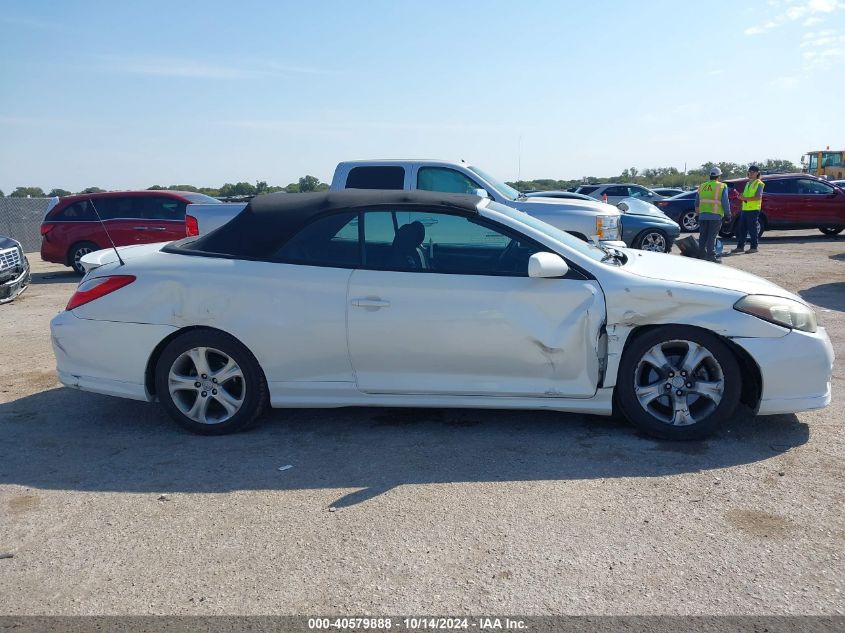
689, 221
679, 382
206, 385
78, 254
653, 241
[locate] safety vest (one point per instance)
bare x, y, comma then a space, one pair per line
710, 197
750, 191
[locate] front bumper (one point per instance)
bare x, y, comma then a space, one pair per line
11, 288
105, 356
797, 370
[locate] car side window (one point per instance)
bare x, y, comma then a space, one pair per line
328, 241
445, 180
813, 187
638, 192
77, 212
377, 177
778, 186
617, 191
161, 208
446, 243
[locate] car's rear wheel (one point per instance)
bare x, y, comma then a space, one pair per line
77, 252
689, 221
829, 230
652, 240
678, 383
210, 383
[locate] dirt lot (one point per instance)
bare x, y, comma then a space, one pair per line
109, 508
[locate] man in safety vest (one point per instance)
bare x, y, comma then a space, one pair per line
752, 202
711, 204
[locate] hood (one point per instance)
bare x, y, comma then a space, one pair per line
8, 242
634, 206
544, 205
675, 268
108, 256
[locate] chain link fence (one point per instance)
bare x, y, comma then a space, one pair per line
20, 219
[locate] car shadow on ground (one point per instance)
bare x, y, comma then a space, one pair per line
830, 295
768, 238
60, 277
63, 439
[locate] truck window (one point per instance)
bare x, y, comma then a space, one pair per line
445, 180
376, 178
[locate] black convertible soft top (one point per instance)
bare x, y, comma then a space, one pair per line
270, 220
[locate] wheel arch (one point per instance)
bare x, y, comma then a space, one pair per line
72, 247
152, 361
751, 390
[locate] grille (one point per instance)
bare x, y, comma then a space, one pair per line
9, 258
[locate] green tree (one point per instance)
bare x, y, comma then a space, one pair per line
58, 193
92, 190
238, 189
308, 183
28, 192
155, 188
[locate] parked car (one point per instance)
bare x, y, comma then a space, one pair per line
793, 201
565, 195
839, 183
667, 192
681, 208
14, 269
616, 192
418, 299
71, 228
646, 227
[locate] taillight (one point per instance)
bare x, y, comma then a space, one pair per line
46, 228
662, 204
191, 226
98, 287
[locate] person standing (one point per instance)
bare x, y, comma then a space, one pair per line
752, 202
711, 205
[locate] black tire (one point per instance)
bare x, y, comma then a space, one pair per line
76, 252
761, 226
829, 230
655, 238
689, 221
711, 415
251, 389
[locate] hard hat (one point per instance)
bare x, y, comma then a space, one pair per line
715, 172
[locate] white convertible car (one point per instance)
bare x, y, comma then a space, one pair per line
392, 298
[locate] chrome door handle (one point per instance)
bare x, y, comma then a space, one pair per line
370, 303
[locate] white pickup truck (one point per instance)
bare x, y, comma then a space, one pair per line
585, 219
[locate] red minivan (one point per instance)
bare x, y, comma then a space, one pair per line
71, 228
793, 201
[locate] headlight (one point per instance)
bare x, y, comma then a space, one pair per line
607, 227
786, 312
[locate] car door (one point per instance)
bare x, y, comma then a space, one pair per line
781, 203
821, 204
615, 194
452, 312
120, 215
163, 219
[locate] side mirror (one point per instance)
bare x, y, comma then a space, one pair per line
481, 193
547, 265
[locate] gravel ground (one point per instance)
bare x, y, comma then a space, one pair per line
109, 508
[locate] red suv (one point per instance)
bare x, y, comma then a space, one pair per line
71, 228
793, 201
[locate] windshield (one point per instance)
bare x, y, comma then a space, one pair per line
196, 198
585, 248
501, 188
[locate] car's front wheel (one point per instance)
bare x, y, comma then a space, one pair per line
830, 230
652, 240
678, 382
210, 383
689, 221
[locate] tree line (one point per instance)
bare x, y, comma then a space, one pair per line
659, 176
654, 177
228, 190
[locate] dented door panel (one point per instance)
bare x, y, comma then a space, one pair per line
474, 335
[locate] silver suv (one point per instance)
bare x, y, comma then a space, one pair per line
616, 192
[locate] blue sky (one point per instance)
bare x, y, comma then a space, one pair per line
126, 95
